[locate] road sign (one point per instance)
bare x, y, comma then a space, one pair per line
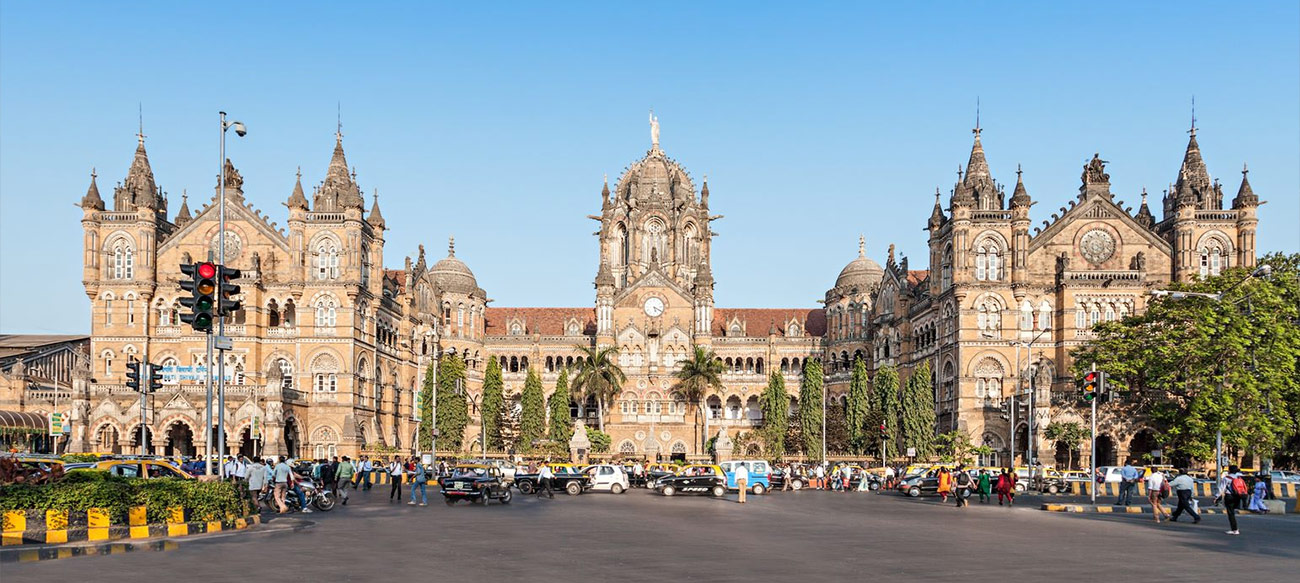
223, 343
58, 424
911, 452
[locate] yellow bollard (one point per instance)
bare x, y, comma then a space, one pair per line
97, 524
15, 524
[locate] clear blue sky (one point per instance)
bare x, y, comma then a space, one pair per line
494, 122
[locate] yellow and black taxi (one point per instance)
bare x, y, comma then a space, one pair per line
477, 483
694, 479
135, 468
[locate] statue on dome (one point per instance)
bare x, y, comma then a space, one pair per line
654, 130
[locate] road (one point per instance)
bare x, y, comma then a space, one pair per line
641, 536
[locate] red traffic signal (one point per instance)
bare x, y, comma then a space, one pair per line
1091, 385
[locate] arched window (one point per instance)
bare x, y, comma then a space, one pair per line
365, 265
123, 259
107, 355
793, 330
1026, 315
1044, 315
988, 261
326, 311
624, 245
286, 372
989, 319
946, 269
1214, 258
290, 317
108, 310
325, 373
656, 241
988, 382
690, 246
327, 260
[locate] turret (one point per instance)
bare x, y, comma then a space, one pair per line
1020, 203
1246, 205
92, 201
183, 215
1144, 216
376, 219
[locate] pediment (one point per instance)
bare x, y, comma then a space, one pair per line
1094, 209
178, 402
655, 278
210, 216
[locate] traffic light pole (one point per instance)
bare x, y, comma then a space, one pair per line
1092, 449
221, 318
207, 439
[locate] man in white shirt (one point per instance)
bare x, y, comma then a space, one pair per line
1155, 485
1184, 487
256, 476
544, 476
742, 480
366, 467
819, 472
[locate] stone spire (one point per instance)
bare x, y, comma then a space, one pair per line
1144, 216
139, 189
936, 214
977, 167
604, 194
183, 215
451, 246
376, 219
1245, 196
1193, 182
297, 200
92, 199
1020, 197
604, 277
704, 192
704, 276
339, 190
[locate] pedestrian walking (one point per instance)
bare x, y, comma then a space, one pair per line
846, 477
742, 480
983, 485
255, 480
282, 472
945, 484
544, 476
819, 475
1004, 486
1156, 491
419, 481
1232, 491
963, 484
1183, 486
326, 481
1257, 496
1128, 476
344, 476
367, 468
395, 472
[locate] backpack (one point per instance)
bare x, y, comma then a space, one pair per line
1239, 486
1165, 489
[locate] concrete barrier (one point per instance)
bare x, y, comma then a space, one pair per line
27, 527
1202, 489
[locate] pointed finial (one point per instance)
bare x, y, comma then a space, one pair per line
451, 246
93, 175
1144, 195
959, 173
977, 129
1193, 130
1018, 171
338, 131
936, 195
354, 173
140, 134
862, 246
1244, 169
299, 172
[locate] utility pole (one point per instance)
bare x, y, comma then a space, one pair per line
1092, 449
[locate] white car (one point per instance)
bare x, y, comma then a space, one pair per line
607, 478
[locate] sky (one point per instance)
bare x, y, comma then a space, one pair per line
495, 122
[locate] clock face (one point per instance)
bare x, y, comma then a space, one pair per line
654, 307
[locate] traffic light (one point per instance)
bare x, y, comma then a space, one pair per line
202, 285
1104, 393
133, 374
884, 432
227, 305
155, 377
1091, 386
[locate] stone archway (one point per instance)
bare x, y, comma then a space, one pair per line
133, 436
1140, 447
292, 438
180, 440
1105, 448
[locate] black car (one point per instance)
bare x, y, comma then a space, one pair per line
566, 478
777, 480
700, 479
476, 483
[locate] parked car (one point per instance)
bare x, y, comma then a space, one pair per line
695, 479
477, 483
923, 484
1284, 477
607, 478
134, 468
759, 474
776, 479
567, 477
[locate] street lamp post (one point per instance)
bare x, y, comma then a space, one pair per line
241, 131
1261, 271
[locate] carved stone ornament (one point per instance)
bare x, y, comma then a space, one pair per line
1097, 246
233, 246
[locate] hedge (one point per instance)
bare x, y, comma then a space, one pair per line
82, 490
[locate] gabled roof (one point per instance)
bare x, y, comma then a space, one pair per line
544, 321
1042, 238
234, 211
758, 321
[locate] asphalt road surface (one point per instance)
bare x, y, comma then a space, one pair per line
641, 536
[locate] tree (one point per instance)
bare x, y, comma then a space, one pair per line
916, 413
955, 447
493, 404
600, 441
810, 408
837, 430
453, 409
1196, 365
859, 408
885, 406
776, 416
532, 414
695, 377
599, 376
1068, 433
561, 427
424, 434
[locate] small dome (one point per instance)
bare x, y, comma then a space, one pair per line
655, 176
862, 272
452, 275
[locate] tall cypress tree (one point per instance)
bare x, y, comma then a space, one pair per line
424, 434
453, 409
561, 427
886, 407
810, 408
776, 415
859, 408
493, 404
532, 415
917, 412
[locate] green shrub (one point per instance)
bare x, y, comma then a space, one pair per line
74, 458
82, 490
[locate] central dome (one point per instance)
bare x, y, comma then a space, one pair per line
655, 177
862, 272
452, 275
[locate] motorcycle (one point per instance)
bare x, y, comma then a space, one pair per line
323, 499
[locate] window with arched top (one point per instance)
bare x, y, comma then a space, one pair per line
123, 265
107, 356
365, 265
325, 370
988, 261
945, 262
327, 260
1026, 315
989, 319
1044, 315
326, 311
988, 382
1214, 257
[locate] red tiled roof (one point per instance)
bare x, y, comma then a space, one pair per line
759, 321
916, 276
545, 321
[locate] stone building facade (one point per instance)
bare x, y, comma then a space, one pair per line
330, 347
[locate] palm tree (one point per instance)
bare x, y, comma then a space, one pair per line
703, 371
597, 375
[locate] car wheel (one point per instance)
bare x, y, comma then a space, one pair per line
506, 496
873, 486
669, 490
616, 489
796, 485
759, 490
1020, 488
1053, 489
450, 501
914, 492
573, 488
719, 491
526, 487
